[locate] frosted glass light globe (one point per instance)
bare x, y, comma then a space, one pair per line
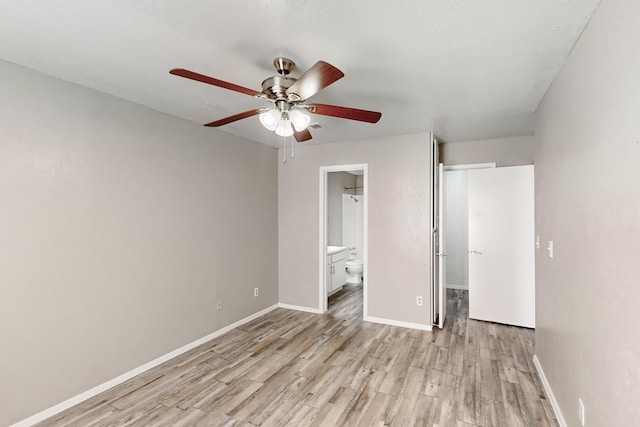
284, 128
299, 120
270, 119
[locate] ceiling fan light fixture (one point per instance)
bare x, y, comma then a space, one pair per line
284, 128
270, 119
288, 116
299, 120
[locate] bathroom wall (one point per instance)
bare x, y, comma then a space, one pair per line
120, 227
359, 184
398, 227
512, 151
336, 184
353, 225
588, 203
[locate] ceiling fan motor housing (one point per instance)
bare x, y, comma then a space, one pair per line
276, 87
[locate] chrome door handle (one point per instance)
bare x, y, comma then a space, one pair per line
441, 254
475, 252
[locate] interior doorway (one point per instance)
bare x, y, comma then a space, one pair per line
343, 218
489, 239
456, 228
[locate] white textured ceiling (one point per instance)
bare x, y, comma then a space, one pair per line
470, 69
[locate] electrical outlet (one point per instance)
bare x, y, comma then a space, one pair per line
581, 411
419, 301
219, 305
256, 292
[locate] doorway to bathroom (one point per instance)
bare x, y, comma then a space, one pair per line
343, 234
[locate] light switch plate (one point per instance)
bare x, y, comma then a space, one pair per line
550, 248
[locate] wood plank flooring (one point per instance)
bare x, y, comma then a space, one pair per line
289, 368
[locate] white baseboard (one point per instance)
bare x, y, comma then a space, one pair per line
454, 286
409, 325
47, 413
549, 392
380, 320
300, 308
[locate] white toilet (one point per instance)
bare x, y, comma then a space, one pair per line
355, 268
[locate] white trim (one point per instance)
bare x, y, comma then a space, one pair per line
470, 166
299, 308
419, 326
322, 238
322, 231
47, 413
454, 286
549, 392
433, 154
365, 240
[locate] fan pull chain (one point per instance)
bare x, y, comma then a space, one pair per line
292, 156
284, 150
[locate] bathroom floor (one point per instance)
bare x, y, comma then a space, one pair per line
301, 369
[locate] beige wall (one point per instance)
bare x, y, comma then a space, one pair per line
398, 231
512, 151
120, 227
588, 202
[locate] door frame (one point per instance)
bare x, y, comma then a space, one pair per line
322, 231
434, 160
469, 166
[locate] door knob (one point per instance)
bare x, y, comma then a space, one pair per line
441, 254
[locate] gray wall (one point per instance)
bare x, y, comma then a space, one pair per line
513, 151
120, 227
588, 202
336, 183
398, 223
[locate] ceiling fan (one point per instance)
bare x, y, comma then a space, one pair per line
287, 116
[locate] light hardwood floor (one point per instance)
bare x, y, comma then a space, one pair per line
299, 369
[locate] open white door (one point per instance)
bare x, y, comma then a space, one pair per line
438, 289
501, 245
441, 253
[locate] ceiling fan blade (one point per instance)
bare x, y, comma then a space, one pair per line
345, 112
212, 81
233, 118
316, 78
303, 135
